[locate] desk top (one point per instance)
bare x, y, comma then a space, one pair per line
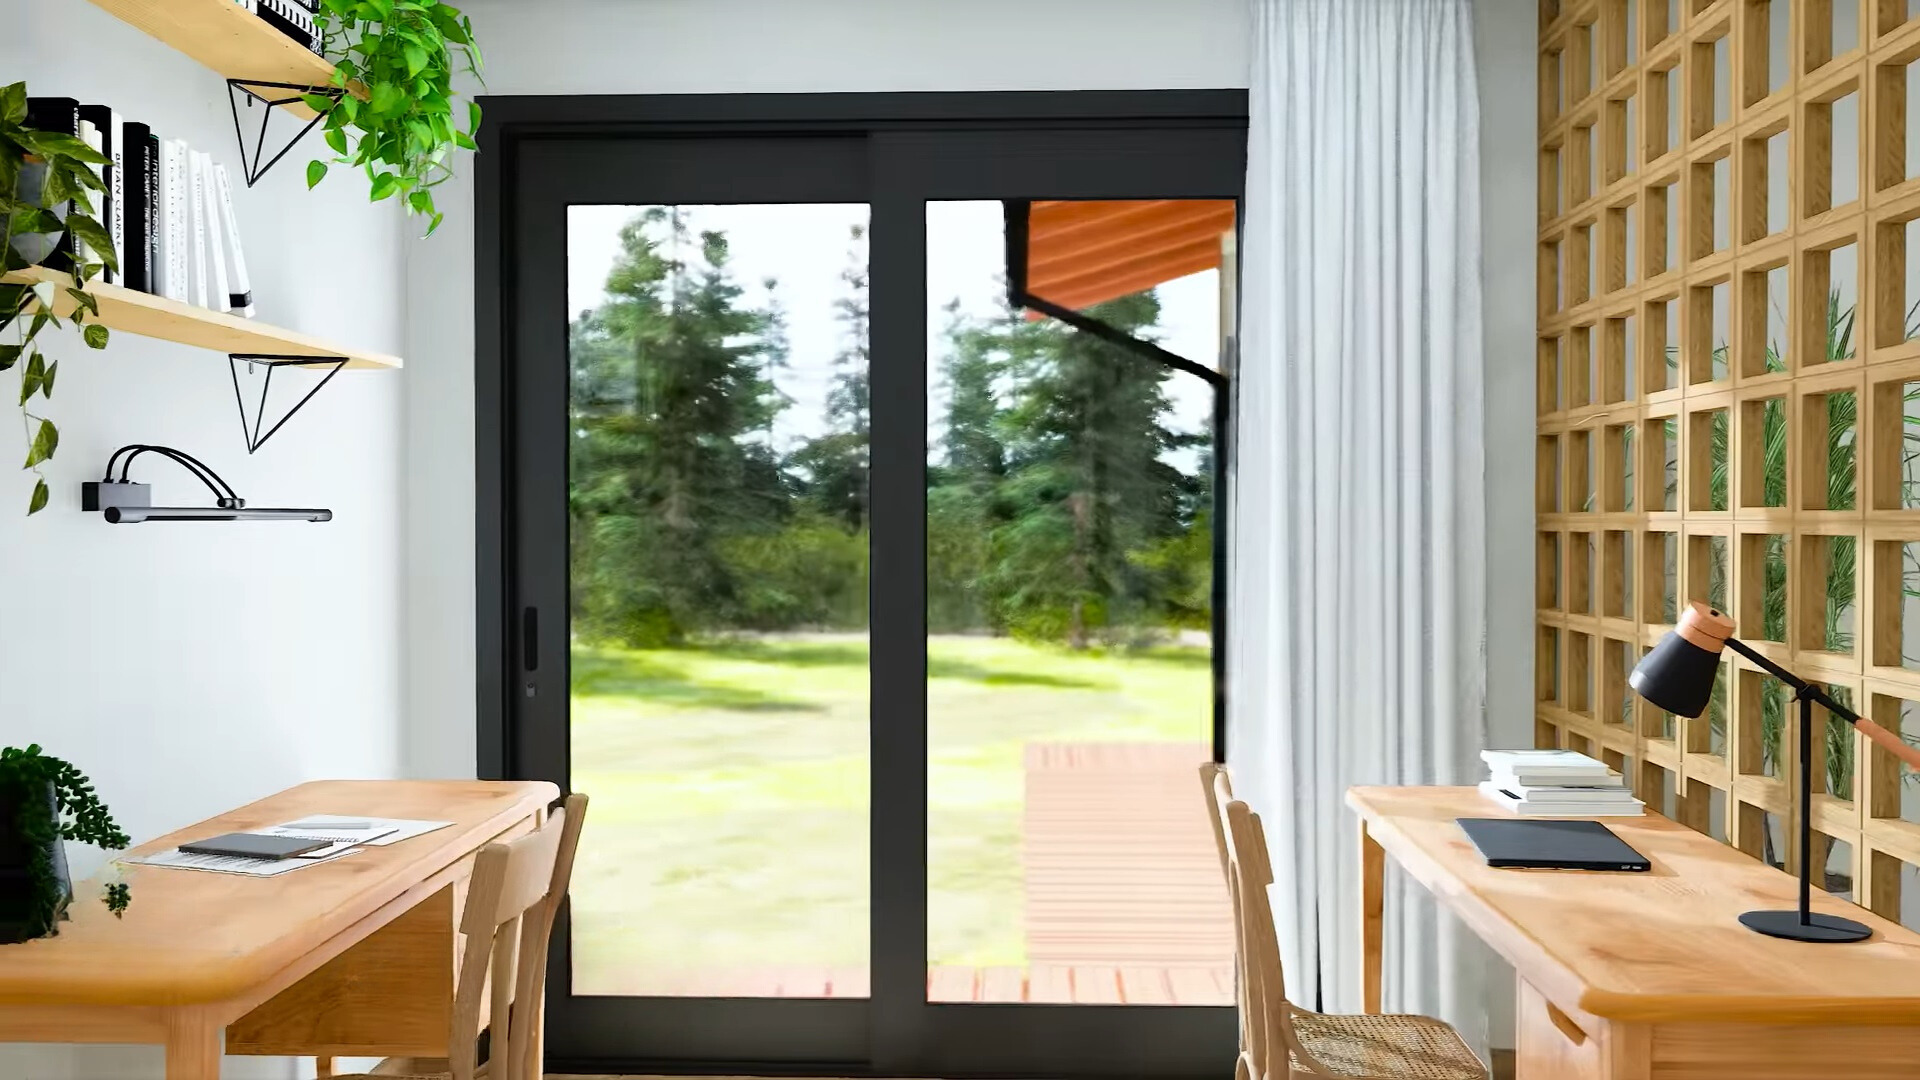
192, 936
1659, 946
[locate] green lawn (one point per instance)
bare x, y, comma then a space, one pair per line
729, 785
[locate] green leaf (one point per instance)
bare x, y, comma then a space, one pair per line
31, 377
53, 144
89, 230
337, 140
434, 225
473, 117
13, 103
45, 441
10, 355
319, 103
416, 59
38, 501
46, 384
316, 172
464, 141
95, 335
384, 185
85, 299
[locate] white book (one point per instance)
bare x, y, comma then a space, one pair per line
117, 182
1535, 793
217, 295
172, 264
240, 295
1544, 762
1549, 779
197, 215
1523, 808
90, 135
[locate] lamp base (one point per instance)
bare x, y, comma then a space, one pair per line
1819, 928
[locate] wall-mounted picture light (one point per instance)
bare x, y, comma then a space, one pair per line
123, 501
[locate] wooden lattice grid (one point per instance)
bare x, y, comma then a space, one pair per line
1729, 403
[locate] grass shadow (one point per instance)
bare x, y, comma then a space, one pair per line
612, 674
790, 653
939, 667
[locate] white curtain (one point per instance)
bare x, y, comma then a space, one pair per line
1358, 573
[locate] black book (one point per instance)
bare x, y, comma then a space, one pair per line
108, 202
62, 115
142, 191
292, 19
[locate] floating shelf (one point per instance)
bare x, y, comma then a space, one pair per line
133, 312
223, 36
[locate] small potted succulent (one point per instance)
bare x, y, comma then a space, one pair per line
45, 801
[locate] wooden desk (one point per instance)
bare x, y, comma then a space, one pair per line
351, 957
1651, 976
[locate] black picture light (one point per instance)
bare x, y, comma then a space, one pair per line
1677, 675
126, 502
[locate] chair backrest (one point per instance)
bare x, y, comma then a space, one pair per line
515, 893
1218, 784
1266, 1018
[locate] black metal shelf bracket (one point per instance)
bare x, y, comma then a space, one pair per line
272, 95
250, 427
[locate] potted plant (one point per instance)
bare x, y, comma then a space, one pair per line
45, 180
402, 56
43, 802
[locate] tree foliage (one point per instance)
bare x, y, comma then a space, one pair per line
1057, 506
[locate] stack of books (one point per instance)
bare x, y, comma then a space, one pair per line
1556, 783
167, 206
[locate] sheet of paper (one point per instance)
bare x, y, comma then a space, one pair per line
378, 832
233, 864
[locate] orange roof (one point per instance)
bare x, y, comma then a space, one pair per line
1082, 253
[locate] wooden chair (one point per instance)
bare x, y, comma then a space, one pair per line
1281, 1041
514, 895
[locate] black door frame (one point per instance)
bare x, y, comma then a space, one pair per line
915, 148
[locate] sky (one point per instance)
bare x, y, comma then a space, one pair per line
805, 248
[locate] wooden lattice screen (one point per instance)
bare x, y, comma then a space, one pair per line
1729, 396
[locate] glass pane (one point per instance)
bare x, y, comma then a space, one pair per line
719, 590
1069, 577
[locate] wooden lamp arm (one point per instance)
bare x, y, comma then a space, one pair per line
1888, 741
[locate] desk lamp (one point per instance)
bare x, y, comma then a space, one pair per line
1677, 675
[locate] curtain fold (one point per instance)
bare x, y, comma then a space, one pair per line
1357, 583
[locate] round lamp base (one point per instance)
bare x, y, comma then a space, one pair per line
1821, 928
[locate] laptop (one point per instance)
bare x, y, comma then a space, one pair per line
1548, 844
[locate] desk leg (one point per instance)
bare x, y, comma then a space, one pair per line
193, 1047
1373, 906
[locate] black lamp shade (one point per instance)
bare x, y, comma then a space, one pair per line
1677, 674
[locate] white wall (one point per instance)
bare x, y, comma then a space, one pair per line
192, 668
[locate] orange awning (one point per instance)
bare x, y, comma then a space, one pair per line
1082, 253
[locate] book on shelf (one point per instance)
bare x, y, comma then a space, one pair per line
1516, 804
142, 190
106, 124
217, 290
290, 17
61, 115
197, 227
91, 136
175, 250
240, 290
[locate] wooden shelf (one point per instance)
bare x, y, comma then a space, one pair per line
223, 36
132, 312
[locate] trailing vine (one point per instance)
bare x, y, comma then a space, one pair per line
73, 812
62, 167
401, 55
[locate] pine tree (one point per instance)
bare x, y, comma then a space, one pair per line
1087, 478
835, 464
671, 458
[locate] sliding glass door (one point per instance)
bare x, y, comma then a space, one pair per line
858, 557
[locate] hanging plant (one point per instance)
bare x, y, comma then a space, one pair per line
399, 58
46, 801
45, 180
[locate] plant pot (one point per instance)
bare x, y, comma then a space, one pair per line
24, 914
